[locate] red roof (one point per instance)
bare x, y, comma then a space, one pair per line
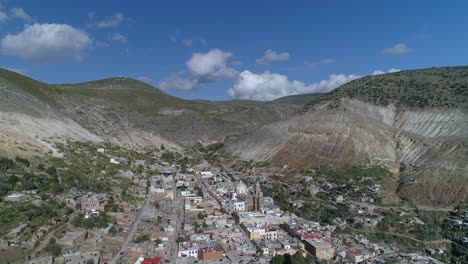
154, 260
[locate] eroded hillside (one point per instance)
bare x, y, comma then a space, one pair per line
415, 123
123, 111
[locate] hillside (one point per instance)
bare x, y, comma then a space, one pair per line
428, 88
414, 123
119, 110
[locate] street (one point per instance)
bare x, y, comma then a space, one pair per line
130, 236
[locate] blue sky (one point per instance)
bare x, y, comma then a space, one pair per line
220, 50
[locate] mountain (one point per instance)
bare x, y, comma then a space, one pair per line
413, 122
123, 111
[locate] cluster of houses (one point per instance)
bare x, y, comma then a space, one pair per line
204, 216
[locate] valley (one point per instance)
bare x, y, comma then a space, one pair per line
117, 171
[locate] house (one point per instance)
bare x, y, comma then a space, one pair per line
182, 183
206, 174
210, 253
70, 239
355, 256
143, 260
79, 257
320, 249
115, 161
73, 200
254, 232
41, 260
156, 190
101, 150
236, 205
455, 222
16, 197
185, 193
271, 234
93, 202
339, 198
187, 250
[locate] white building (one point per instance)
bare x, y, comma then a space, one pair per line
157, 190
236, 205
206, 174
185, 251
115, 161
16, 197
101, 150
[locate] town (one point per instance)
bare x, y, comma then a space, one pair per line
174, 208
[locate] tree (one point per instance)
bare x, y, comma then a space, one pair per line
53, 248
201, 215
142, 238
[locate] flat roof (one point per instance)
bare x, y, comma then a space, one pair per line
15, 195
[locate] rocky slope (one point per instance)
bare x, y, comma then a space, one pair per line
415, 123
123, 111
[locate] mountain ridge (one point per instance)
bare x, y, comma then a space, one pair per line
415, 123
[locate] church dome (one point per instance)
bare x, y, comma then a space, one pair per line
241, 188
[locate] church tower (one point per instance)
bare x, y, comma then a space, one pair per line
257, 197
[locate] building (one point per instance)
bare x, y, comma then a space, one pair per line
101, 150
254, 232
211, 253
79, 257
70, 239
42, 260
143, 260
271, 234
257, 197
321, 249
114, 161
236, 205
93, 203
206, 174
241, 188
257, 218
186, 250
16, 197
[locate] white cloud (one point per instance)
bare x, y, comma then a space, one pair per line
269, 86
47, 43
187, 42
204, 68
211, 66
119, 38
3, 17
113, 21
397, 49
20, 13
378, 72
271, 56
